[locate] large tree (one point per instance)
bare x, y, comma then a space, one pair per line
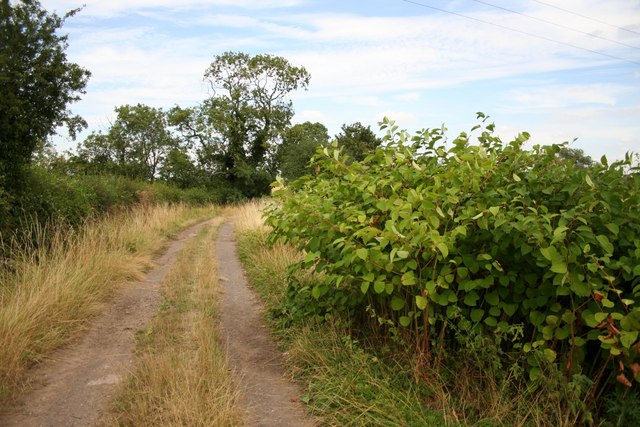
299, 144
236, 129
37, 83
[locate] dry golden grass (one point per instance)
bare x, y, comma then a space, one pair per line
248, 216
182, 377
47, 294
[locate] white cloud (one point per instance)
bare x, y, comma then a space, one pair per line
310, 116
408, 97
556, 96
413, 68
109, 8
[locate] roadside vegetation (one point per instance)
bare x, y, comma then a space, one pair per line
411, 279
347, 382
48, 290
182, 377
501, 282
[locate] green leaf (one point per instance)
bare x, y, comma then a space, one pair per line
476, 314
535, 373
379, 287
580, 288
587, 178
405, 321
388, 288
627, 339
536, 318
421, 302
362, 253
402, 254
606, 302
471, 299
613, 228
444, 250
510, 309
491, 321
492, 298
549, 355
605, 243
311, 256
494, 210
318, 291
397, 303
559, 267
408, 278
558, 264
551, 253
364, 287
516, 178
600, 317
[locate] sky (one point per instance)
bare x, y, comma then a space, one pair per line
560, 70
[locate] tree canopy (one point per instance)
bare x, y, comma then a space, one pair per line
235, 131
357, 141
137, 144
37, 83
299, 144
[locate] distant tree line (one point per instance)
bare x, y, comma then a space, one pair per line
234, 143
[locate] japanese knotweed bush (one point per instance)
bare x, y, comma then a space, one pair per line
483, 237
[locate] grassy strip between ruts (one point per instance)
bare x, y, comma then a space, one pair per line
182, 377
346, 385
48, 292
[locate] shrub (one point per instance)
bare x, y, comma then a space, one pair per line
431, 237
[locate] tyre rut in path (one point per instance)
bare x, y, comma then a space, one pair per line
76, 385
270, 399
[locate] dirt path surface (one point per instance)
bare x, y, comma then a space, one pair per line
75, 386
270, 399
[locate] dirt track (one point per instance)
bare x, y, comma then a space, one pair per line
75, 386
270, 398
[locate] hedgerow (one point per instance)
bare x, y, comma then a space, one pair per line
450, 240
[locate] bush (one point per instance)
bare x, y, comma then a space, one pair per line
50, 196
431, 237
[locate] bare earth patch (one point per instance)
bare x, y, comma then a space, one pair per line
75, 386
269, 397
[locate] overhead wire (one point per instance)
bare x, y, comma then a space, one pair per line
618, 58
586, 17
546, 21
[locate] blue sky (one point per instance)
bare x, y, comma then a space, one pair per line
375, 58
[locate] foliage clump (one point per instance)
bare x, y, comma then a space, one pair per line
446, 242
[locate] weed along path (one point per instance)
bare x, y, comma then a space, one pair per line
269, 398
75, 387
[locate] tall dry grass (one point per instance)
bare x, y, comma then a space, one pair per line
182, 376
48, 292
248, 216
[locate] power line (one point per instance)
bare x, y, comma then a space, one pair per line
586, 17
555, 23
522, 32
